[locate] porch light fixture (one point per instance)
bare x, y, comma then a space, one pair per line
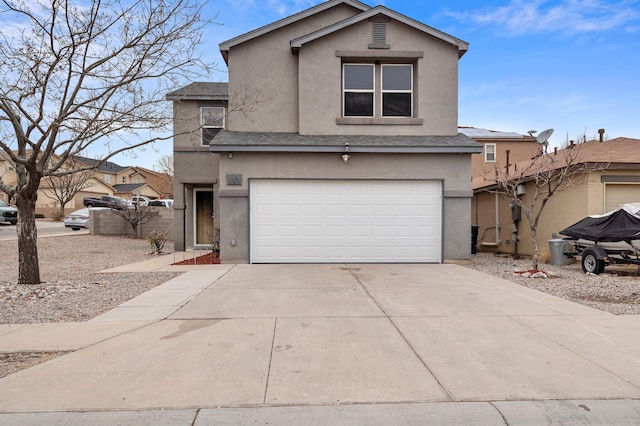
346, 156
230, 155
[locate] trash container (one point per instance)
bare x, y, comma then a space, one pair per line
474, 238
557, 249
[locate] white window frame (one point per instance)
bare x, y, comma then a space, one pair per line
345, 90
204, 125
107, 178
382, 91
487, 153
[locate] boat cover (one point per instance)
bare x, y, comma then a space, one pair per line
622, 224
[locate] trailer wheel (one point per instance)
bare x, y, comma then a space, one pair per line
591, 263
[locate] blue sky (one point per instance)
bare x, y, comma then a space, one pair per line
571, 65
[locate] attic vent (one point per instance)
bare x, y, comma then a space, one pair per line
379, 35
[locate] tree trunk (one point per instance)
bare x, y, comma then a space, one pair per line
534, 241
61, 212
29, 268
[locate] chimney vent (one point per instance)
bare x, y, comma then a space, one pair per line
601, 133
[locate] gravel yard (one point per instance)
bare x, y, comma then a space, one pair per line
72, 289
616, 291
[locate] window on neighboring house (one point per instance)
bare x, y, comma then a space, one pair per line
490, 152
212, 121
107, 178
392, 97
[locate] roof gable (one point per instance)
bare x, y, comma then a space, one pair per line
462, 46
226, 45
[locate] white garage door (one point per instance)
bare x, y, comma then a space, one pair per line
323, 221
616, 194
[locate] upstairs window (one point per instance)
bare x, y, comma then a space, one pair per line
397, 90
212, 121
373, 90
358, 90
490, 152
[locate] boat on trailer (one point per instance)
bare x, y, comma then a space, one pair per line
607, 239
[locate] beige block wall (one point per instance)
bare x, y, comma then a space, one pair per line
106, 222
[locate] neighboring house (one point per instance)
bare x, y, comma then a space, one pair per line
140, 181
104, 181
340, 143
597, 192
497, 146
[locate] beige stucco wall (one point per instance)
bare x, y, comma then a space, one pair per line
564, 209
435, 81
453, 169
265, 69
519, 150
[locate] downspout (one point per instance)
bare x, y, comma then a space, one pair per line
497, 219
184, 217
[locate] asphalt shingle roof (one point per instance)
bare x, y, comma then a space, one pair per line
107, 167
613, 152
294, 142
201, 91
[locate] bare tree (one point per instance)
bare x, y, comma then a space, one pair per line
64, 187
546, 175
136, 216
164, 164
74, 74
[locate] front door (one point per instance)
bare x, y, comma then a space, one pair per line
203, 219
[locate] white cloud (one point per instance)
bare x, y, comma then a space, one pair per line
520, 17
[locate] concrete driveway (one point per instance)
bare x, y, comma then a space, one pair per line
261, 336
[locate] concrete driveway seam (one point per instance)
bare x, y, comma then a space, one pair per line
406, 340
577, 352
273, 342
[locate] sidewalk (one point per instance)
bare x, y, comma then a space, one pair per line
338, 344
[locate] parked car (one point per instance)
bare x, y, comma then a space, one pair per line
139, 200
106, 201
8, 213
80, 218
165, 202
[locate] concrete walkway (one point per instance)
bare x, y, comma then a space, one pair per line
338, 344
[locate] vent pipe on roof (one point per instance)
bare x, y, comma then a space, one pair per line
601, 133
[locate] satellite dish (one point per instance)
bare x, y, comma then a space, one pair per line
544, 136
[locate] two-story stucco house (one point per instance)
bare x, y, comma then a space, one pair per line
350, 151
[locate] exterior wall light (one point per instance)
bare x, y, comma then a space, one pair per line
230, 155
346, 156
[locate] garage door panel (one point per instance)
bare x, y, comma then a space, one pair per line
345, 221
